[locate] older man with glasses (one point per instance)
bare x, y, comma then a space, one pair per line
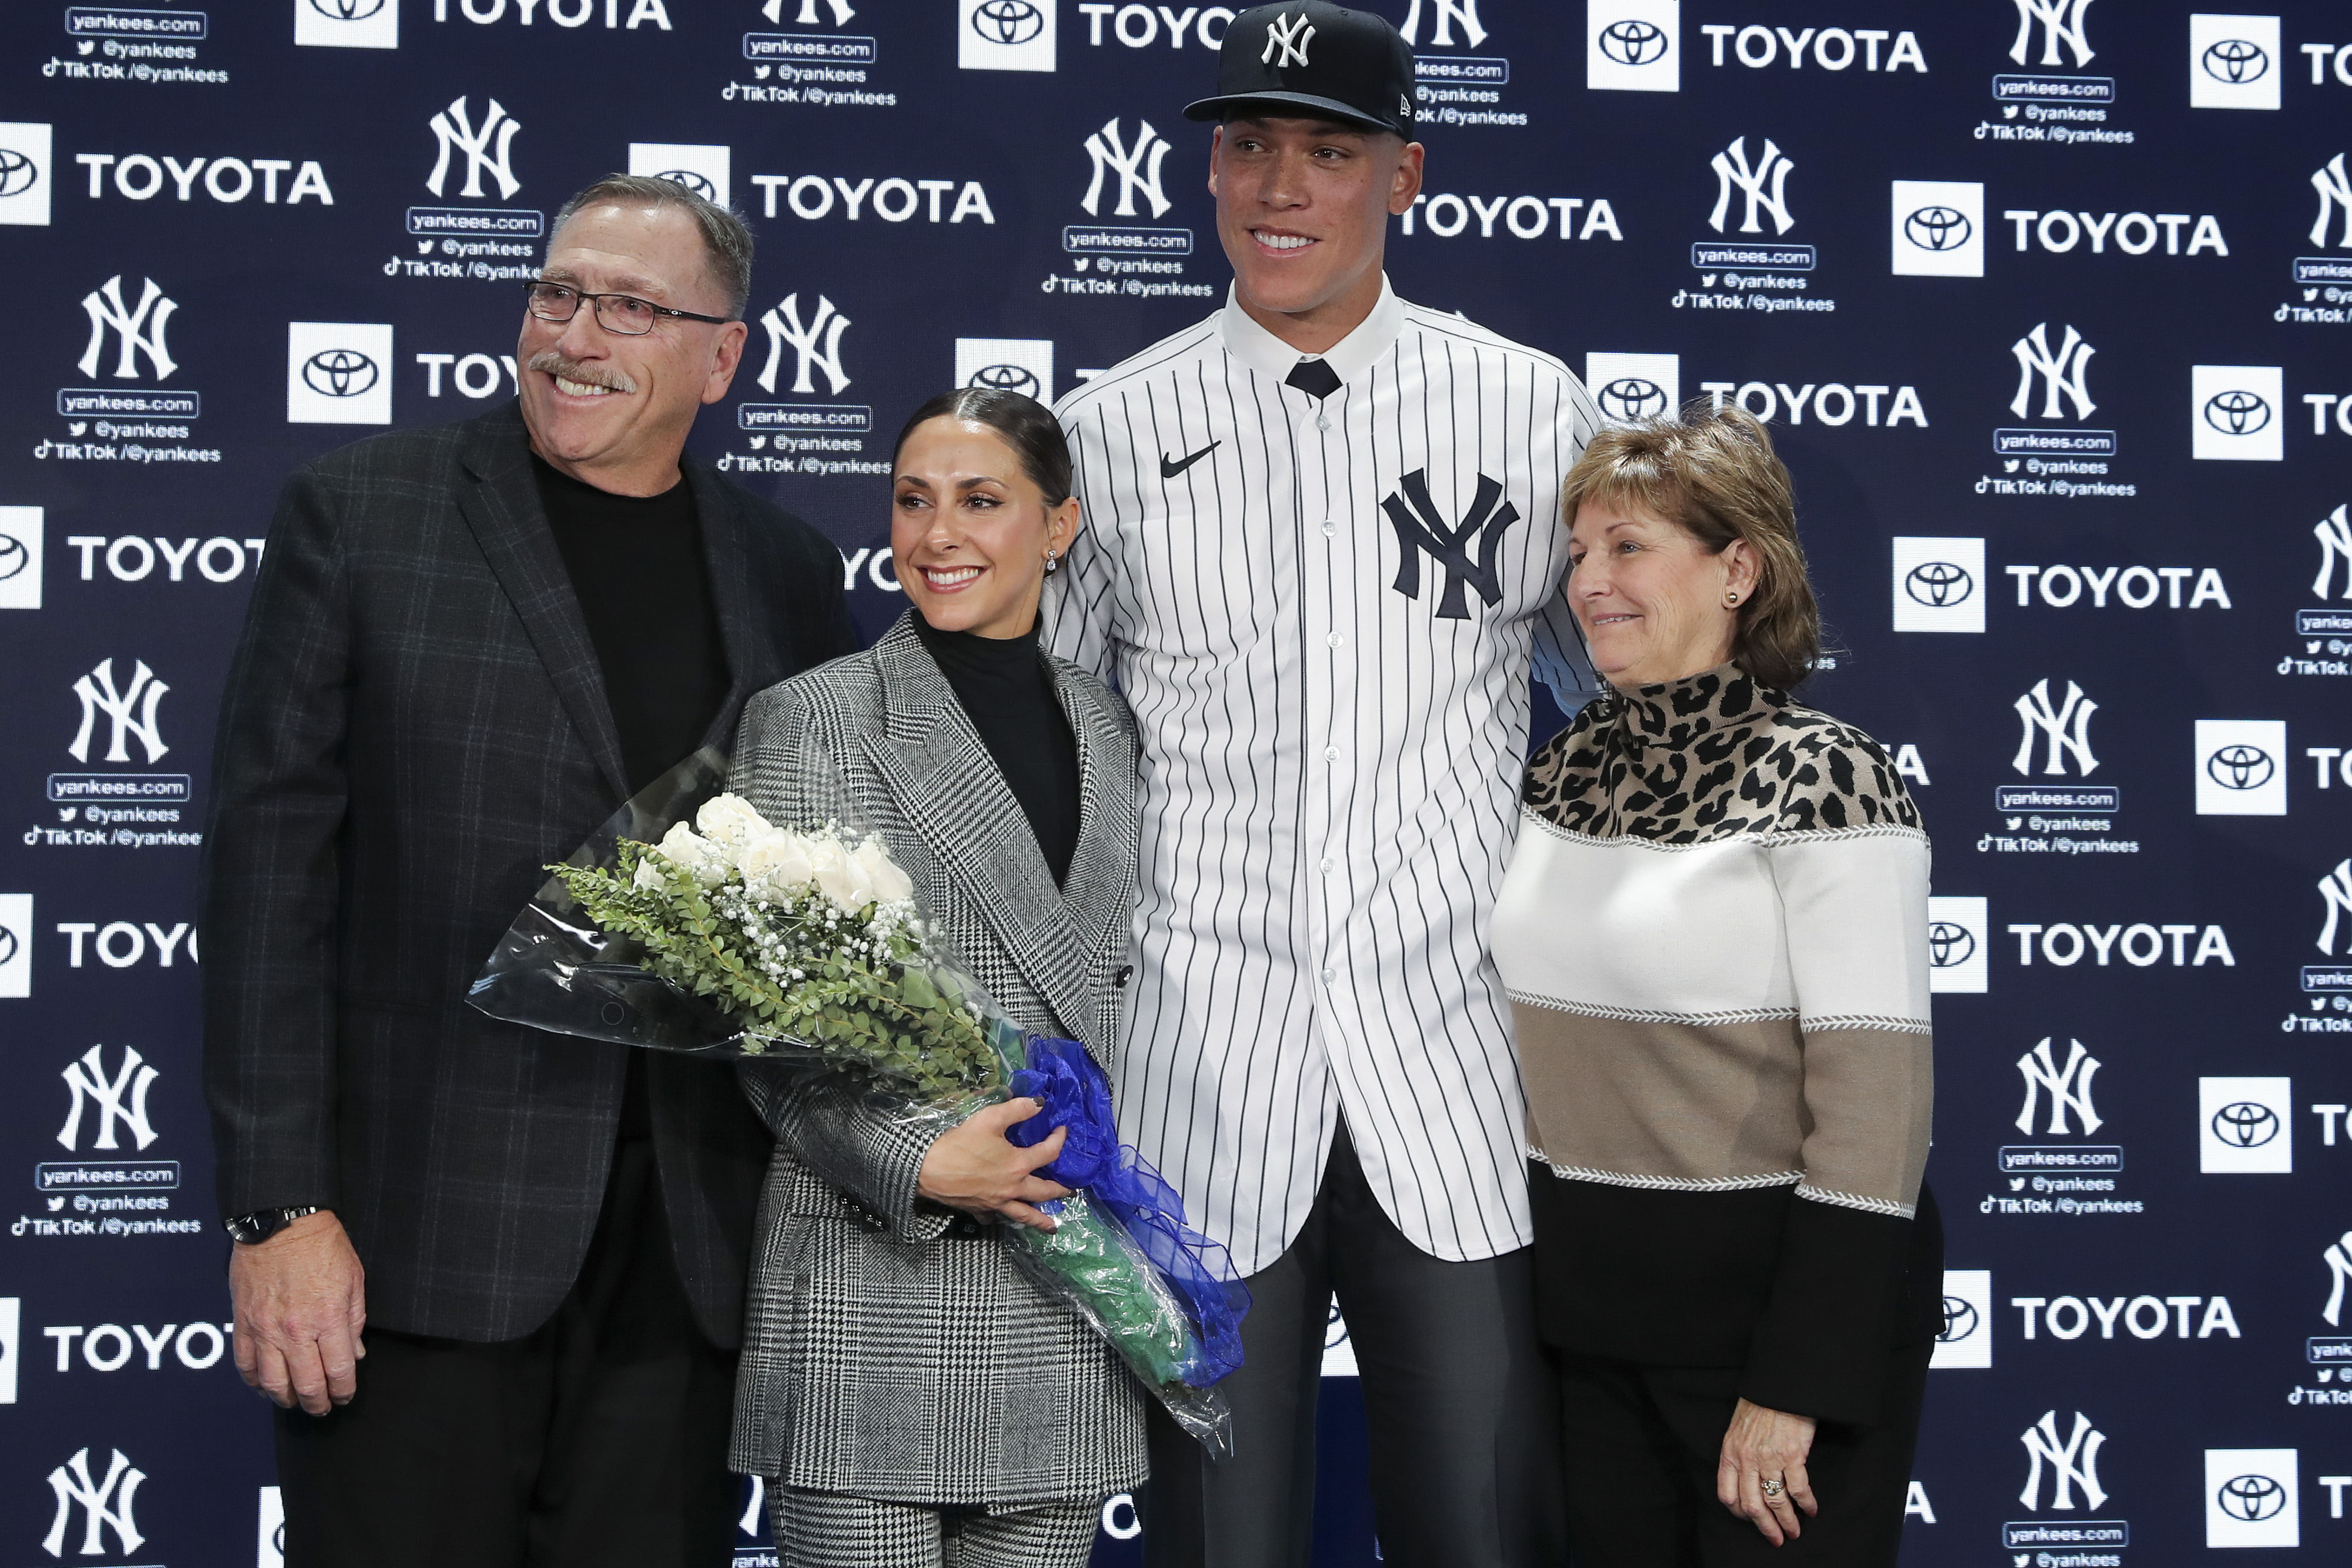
468, 644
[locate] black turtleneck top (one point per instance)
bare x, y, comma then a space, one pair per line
1007, 691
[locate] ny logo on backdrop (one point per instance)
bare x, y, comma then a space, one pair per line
2063, 373
120, 1099
1420, 526
1443, 14
816, 342
488, 148
104, 1504
1137, 164
2062, 23
2067, 730
2338, 1258
807, 17
138, 329
2335, 888
2068, 1088
130, 714
2072, 1463
1732, 170
2334, 188
2334, 533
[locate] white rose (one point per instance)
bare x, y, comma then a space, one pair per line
839, 875
890, 883
705, 861
777, 864
731, 821
650, 877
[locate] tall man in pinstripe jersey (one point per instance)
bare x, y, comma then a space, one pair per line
1323, 548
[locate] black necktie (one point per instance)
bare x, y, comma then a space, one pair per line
1315, 378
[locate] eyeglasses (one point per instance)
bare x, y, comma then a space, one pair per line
623, 313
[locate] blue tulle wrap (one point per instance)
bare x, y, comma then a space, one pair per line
1076, 1096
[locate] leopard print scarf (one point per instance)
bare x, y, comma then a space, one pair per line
1708, 756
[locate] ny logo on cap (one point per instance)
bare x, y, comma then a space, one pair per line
1289, 34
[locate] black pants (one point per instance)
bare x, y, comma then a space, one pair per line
1457, 1394
599, 1440
1641, 1444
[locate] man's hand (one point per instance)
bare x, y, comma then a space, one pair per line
302, 1302
976, 1168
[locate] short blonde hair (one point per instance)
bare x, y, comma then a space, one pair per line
1713, 474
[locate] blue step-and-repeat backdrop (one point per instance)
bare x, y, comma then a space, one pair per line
2046, 302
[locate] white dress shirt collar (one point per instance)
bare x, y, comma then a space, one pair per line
1348, 358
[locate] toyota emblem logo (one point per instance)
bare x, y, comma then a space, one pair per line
2240, 768
14, 556
1948, 945
1630, 397
7, 945
1633, 43
1005, 378
2236, 61
2237, 412
347, 10
1938, 584
18, 173
698, 183
1938, 228
1007, 21
1959, 1320
338, 372
2245, 1126
2250, 1498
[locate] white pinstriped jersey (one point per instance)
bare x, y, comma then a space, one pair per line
1323, 615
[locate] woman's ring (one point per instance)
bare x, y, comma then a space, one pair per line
1772, 1488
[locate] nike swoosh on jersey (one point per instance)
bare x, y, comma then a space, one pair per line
1169, 468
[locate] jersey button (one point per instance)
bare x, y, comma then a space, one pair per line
1330, 975
1335, 639
1330, 754
1330, 530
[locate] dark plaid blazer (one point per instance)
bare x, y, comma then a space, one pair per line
888, 1351
415, 724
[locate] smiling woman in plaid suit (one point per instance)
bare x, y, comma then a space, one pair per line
912, 1397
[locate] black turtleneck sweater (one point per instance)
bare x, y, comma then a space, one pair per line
636, 567
1007, 692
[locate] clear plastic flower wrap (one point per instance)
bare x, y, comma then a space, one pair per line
691, 924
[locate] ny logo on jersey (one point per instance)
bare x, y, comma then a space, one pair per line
1420, 525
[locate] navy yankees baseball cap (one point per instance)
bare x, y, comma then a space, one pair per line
1311, 58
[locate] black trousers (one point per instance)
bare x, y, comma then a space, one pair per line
600, 1439
1641, 1444
1457, 1394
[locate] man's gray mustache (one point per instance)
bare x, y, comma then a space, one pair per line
549, 362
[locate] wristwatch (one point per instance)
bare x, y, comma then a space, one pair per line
249, 1229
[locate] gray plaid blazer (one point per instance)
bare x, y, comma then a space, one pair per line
892, 1350
413, 726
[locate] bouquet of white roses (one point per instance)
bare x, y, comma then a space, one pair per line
747, 939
